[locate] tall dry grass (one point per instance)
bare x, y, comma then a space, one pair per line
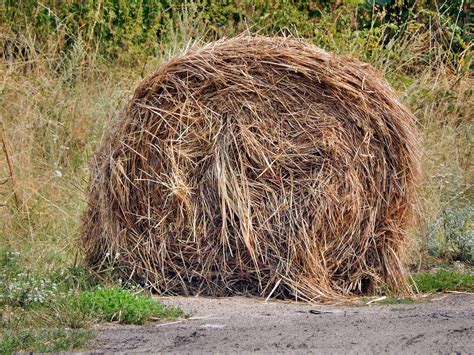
51, 121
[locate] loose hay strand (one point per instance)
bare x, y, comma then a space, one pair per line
257, 165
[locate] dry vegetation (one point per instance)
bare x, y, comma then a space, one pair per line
55, 105
68, 68
257, 165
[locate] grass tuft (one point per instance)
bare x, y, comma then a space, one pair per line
117, 304
444, 280
43, 341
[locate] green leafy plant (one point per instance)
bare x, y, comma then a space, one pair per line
19, 288
444, 280
117, 304
47, 312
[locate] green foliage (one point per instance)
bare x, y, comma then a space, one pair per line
130, 31
43, 312
444, 280
29, 288
110, 26
117, 304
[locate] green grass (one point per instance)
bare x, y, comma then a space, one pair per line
61, 323
49, 340
117, 304
47, 312
395, 300
444, 280
441, 281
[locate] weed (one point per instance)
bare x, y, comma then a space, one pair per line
117, 304
443, 280
40, 312
450, 235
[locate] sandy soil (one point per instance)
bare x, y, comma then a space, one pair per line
443, 324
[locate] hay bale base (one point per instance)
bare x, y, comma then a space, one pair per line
257, 165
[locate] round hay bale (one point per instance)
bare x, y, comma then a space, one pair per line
257, 165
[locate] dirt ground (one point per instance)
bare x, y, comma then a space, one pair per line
441, 324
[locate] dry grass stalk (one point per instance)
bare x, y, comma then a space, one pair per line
257, 165
7, 150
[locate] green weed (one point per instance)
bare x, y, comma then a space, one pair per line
443, 280
46, 312
125, 306
451, 236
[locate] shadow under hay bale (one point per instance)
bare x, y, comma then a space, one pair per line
257, 165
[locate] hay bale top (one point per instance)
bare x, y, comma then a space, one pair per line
257, 165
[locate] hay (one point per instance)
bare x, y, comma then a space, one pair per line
257, 165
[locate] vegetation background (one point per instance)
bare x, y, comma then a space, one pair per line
68, 68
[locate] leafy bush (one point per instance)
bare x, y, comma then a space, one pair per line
130, 31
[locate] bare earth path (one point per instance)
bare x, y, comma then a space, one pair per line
444, 324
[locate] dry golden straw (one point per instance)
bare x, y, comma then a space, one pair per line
257, 165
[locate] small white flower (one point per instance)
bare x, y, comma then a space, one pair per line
14, 254
58, 173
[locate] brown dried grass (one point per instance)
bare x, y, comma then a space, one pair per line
257, 165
